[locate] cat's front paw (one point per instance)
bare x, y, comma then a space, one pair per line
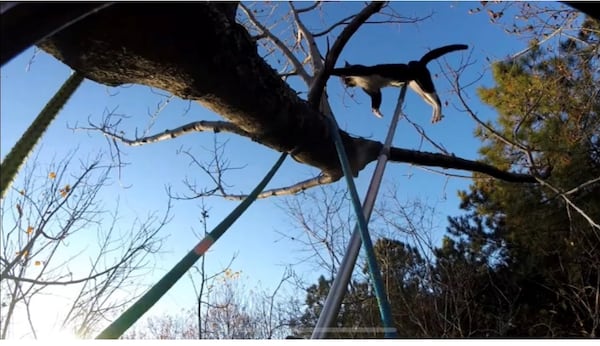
436, 118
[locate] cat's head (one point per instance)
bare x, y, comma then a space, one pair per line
348, 81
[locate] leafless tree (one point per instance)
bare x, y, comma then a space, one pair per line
59, 239
204, 284
231, 310
322, 221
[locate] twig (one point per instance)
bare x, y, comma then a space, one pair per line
569, 202
576, 189
471, 113
279, 44
420, 130
314, 54
159, 108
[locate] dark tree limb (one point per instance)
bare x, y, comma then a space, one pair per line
588, 7
24, 24
440, 160
309, 8
197, 51
316, 90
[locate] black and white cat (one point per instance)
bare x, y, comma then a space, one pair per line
372, 78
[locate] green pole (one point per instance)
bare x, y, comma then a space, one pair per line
131, 315
17, 156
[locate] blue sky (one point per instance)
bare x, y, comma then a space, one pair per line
262, 254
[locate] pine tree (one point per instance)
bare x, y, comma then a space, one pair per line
547, 249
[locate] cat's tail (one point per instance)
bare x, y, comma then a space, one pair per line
438, 52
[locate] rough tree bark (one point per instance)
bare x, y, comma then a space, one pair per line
197, 51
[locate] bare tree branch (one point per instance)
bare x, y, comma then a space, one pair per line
288, 190
314, 54
440, 160
196, 126
316, 89
591, 221
424, 135
309, 8
580, 187
278, 43
348, 19
410, 156
66, 282
215, 168
53, 207
343, 21
458, 89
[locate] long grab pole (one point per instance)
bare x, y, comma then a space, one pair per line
340, 283
144, 303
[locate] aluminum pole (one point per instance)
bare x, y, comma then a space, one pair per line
340, 283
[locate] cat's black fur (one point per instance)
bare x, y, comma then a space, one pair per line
372, 78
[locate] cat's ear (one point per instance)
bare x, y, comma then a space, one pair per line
347, 63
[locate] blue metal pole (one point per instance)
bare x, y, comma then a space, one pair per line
340, 283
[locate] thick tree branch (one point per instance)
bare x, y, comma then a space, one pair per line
587, 7
23, 25
445, 161
221, 69
408, 156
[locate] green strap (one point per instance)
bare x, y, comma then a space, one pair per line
18, 154
129, 317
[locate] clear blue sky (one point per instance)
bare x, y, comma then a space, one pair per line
261, 252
